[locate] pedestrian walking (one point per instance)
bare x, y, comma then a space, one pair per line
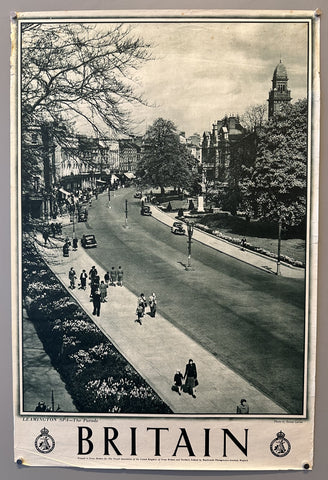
142, 302
45, 236
107, 278
65, 250
113, 277
243, 243
75, 243
191, 377
139, 313
94, 283
72, 277
103, 291
53, 229
152, 301
83, 280
92, 273
96, 303
178, 377
243, 407
120, 276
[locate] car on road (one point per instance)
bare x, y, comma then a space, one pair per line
145, 210
82, 215
138, 195
178, 228
88, 241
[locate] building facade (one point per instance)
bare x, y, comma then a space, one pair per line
216, 148
129, 152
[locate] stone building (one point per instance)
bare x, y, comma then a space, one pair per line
279, 94
216, 147
129, 154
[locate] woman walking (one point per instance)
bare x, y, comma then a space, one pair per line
191, 377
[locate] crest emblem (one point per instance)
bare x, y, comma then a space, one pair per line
280, 446
44, 443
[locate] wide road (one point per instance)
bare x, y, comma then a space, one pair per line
251, 320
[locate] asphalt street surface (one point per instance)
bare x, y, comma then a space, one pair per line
250, 320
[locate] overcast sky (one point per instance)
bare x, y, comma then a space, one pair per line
201, 72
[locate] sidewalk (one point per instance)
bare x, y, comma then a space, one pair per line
40, 377
157, 348
252, 258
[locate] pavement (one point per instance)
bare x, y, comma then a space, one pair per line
156, 349
252, 258
40, 377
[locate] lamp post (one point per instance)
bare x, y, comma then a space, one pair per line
126, 213
279, 246
190, 228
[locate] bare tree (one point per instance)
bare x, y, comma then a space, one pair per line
79, 69
254, 117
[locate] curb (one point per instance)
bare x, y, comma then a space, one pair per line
261, 255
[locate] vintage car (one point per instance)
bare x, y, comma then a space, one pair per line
138, 195
178, 228
145, 210
88, 241
82, 215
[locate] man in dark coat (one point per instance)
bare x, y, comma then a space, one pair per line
96, 303
45, 236
83, 279
243, 407
93, 272
191, 377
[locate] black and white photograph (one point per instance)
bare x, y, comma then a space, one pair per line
164, 196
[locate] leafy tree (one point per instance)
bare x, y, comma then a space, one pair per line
77, 71
165, 162
275, 185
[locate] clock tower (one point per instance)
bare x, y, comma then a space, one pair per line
279, 94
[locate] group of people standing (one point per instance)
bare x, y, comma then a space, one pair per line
114, 277
98, 287
142, 304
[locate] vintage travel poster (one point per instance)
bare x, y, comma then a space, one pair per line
164, 202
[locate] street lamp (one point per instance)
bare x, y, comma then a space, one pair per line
190, 228
279, 246
109, 196
126, 214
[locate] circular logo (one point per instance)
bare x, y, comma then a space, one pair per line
44, 443
280, 446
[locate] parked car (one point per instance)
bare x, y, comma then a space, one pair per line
145, 210
88, 241
82, 216
138, 195
178, 228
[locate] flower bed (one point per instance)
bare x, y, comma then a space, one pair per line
96, 375
249, 246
